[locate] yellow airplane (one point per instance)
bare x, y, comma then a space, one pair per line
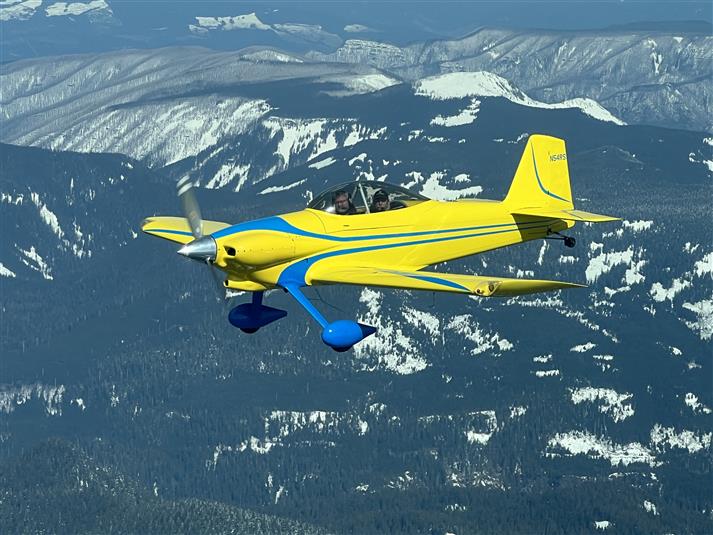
375, 234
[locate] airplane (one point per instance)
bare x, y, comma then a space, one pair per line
371, 233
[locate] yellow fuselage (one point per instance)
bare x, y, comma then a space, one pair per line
267, 253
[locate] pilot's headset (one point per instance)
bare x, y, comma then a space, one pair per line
380, 195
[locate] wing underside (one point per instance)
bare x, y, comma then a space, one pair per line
438, 282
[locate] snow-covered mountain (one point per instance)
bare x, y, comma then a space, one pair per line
455, 402
458, 412
160, 106
653, 77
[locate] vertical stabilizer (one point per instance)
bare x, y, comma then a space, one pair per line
542, 178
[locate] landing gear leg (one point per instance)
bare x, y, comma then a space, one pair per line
569, 241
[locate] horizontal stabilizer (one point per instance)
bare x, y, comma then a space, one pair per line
567, 215
177, 229
430, 281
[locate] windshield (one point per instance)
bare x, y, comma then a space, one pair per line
364, 197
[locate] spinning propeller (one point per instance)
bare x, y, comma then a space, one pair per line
202, 248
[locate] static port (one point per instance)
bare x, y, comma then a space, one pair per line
230, 251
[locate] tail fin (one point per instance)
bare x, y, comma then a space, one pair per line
542, 178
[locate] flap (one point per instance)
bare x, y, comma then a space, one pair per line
567, 215
176, 228
436, 282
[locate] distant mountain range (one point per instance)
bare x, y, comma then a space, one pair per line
653, 76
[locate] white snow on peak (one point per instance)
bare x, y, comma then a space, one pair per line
585, 443
227, 173
663, 438
271, 55
610, 401
322, 163
298, 134
273, 189
357, 28
466, 116
486, 84
76, 8
468, 84
18, 10
4, 272
366, 83
249, 21
358, 158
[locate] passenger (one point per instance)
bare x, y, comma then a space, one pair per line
342, 204
380, 201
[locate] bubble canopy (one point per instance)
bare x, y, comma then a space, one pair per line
364, 197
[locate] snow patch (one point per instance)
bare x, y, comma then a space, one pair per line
704, 322
13, 397
322, 163
249, 21
18, 10
5, 272
583, 347
547, 373
663, 438
637, 226
466, 116
585, 443
76, 8
610, 401
432, 188
391, 348
273, 189
696, 406
470, 330
37, 262
485, 84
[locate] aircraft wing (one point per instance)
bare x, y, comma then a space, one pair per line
428, 280
176, 228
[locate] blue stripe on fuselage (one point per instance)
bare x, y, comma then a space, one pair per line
295, 273
277, 224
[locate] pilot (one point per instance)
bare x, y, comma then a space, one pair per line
380, 201
342, 204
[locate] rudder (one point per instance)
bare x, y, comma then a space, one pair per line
542, 177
